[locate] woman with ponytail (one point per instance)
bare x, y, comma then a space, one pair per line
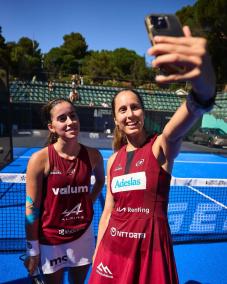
59, 198
134, 244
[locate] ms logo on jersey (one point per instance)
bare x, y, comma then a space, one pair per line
135, 181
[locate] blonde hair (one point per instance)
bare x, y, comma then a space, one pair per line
119, 139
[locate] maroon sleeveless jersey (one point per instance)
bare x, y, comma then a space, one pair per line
67, 208
136, 247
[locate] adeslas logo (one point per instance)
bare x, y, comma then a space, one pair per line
127, 182
135, 181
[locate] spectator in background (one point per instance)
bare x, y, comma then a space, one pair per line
225, 89
59, 200
34, 79
81, 80
75, 82
104, 104
91, 104
73, 95
50, 86
106, 128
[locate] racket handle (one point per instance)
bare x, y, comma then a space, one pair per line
37, 277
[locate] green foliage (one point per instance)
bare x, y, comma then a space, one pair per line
205, 18
120, 65
4, 53
188, 17
212, 15
66, 59
98, 65
208, 18
25, 58
75, 45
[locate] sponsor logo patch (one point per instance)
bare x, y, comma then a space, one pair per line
133, 210
58, 261
70, 190
64, 232
135, 181
123, 234
104, 270
118, 168
140, 163
55, 172
73, 213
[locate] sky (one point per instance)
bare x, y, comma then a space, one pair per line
105, 25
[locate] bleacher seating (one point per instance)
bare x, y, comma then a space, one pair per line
90, 95
220, 108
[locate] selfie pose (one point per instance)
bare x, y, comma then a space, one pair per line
134, 243
59, 202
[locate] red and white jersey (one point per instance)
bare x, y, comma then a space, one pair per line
136, 247
67, 208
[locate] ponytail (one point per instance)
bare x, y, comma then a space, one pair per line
52, 138
119, 139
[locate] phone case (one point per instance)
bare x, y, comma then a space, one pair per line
171, 27
164, 25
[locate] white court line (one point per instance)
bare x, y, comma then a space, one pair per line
208, 197
200, 162
23, 157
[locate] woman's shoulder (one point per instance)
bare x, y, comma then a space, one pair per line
111, 159
39, 156
38, 163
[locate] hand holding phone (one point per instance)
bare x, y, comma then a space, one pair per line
164, 25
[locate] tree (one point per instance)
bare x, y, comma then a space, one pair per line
188, 17
121, 64
208, 18
25, 58
75, 45
98, 64
53, 62
67, 58
212, 14
4, 55
140, 72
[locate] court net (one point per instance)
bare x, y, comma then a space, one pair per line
197, 210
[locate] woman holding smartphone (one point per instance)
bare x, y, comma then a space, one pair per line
134, 243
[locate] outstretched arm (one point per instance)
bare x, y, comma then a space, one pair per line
190, 52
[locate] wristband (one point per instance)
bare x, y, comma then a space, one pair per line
197, 106
32, 248
203, 104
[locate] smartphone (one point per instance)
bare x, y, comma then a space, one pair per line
166, 25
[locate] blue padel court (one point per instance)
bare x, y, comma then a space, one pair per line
197, 215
